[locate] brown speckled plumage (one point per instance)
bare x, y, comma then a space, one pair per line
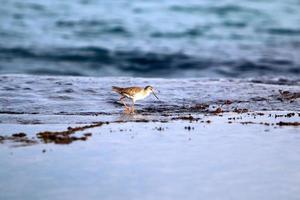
128, 91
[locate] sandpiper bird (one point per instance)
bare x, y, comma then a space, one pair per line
134, 93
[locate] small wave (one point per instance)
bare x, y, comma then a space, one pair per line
228, 9
93, 27
219, 10
82, 23
284, 31
99, 61
57, 54
234, 24
180, 8
32, 6
192, 32
276, 61
54, 71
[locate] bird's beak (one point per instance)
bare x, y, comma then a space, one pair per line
155, 94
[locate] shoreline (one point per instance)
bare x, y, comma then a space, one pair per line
212, 138
154, 159
86, 101
74, 132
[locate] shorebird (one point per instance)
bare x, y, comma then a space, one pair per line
133, 93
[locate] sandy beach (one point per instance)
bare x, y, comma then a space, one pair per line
68, 138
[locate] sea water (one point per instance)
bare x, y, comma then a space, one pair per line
165, 38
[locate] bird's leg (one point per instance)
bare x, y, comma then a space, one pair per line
126, 107
132, 107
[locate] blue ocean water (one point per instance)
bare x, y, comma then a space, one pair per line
151, 38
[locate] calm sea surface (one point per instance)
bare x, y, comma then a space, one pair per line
151, 38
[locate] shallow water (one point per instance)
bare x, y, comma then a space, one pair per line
236, 38
175, 148
139, 161
34, 99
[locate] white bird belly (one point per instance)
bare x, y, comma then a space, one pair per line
139, 96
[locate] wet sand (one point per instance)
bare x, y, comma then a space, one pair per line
67, 138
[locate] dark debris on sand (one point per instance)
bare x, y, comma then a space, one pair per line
189, 118
66, 137
20, 139
189, 128
288, 123
287, 95
21, 135
218, 111
240, 110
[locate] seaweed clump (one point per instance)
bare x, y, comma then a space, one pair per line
189, 118
20, 138
67, 137
288, 123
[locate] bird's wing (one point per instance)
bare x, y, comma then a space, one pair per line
131, 91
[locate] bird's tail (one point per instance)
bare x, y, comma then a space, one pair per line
116, 89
